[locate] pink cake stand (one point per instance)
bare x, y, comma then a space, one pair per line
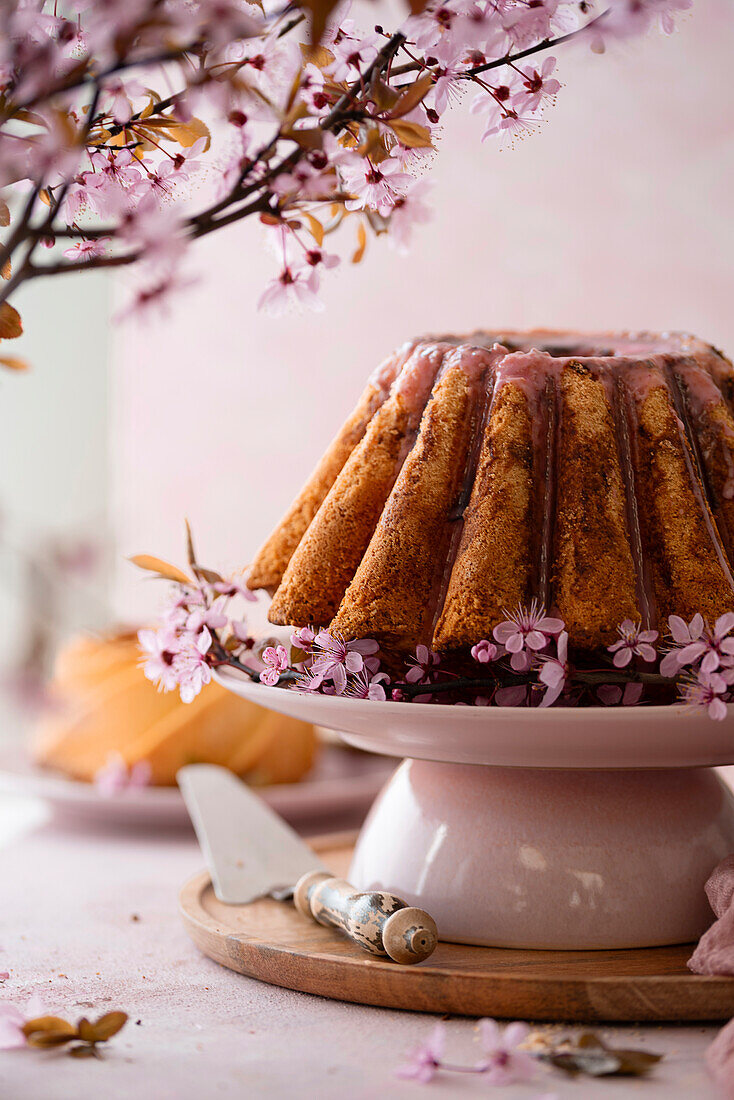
562, 828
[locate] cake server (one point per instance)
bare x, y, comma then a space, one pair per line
252, 853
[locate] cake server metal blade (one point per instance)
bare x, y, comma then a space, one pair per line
250, 851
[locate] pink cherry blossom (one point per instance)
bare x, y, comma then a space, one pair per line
317, 258
632, 18
525, 632
153, 300
241, 632
539, 85
698, 642
505, 1064
376, 186
230, 588
276, 658
160, 648
118, 93
156, 232
303, 638
447, 89
200, 618
408, 211
292, 287
633, 642
85, 195
511, 126
191, 666
533, 22
114, 777
425, 1059
484, 652
554, 671
706, 690
117, 174
337, 658
365, 686
423, 665
87, 249
351, 55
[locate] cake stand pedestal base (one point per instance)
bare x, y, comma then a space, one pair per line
537, 858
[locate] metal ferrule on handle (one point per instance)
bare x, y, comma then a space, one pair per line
378, 922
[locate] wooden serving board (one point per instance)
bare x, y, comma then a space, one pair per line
269, 940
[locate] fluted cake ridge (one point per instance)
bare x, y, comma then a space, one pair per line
592, 472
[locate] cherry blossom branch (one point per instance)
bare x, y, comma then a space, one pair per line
349, 124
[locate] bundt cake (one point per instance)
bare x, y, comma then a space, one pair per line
594, 473
105, 708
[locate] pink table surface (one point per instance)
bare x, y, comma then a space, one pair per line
198, 1031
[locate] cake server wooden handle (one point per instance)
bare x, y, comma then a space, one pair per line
379, 923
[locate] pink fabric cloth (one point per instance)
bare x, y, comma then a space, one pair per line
715, 951
715, 955
720, 1060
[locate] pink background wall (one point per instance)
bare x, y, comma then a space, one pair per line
619, 213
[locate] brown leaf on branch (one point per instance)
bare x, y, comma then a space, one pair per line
161, 568
592, 1057
4, 213
361, 244
317, 55
103, 1028
317, 229
46, 1032
190, 552
409, 100
184, 133
382, 95
189, 132
11, 325
14, 362
7, 270
320, 11
412, 134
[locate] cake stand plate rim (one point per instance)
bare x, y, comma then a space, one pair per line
672, 736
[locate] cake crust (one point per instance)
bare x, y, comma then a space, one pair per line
329, 553
397, 587
273, 557
593, 473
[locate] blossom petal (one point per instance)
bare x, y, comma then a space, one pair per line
679, 629
503, 631
724, 624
